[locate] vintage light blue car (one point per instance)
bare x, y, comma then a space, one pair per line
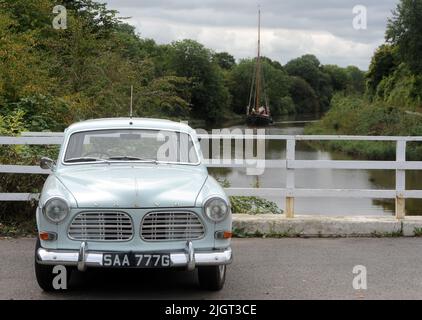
132, 193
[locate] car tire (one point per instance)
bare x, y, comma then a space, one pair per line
212, 278
44, 274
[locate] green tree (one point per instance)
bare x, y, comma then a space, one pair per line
273, 63
23, 69
277, 84
307, 67
356, 80
56, 77
224, 59
193, 61
324, 92
240, 79
383, 64
28, 15
303, 95
404, 30
339, 77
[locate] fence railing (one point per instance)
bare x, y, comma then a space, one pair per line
290, 164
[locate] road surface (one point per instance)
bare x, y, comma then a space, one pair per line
262, 269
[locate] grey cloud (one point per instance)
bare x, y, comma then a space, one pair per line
327, 16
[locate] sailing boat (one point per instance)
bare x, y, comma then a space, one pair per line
258, 111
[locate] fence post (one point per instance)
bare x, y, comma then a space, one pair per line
290, 178
400, 180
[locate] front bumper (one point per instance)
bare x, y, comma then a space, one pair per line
84, 258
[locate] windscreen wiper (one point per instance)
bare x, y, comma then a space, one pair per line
130, 158
85, 159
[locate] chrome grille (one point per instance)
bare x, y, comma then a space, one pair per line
101, 226
168, 226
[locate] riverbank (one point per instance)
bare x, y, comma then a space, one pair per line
278, 226
354, 115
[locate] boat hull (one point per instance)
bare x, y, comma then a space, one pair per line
258, 120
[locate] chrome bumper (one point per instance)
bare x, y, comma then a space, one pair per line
83, 258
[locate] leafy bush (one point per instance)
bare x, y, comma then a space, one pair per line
254, 205
250, 205
18, 218
356, 116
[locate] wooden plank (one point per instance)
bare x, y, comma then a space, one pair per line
412, 194
269, 164
401, 161
290, 177
400, 208
19, 196
255, 192
310, 138
355, 138
290, 208
30, 140
312, 193
290, 158
23, 169
42, 134
334, 164
354, 165
243, 137
342, 193
409, 165
400, 180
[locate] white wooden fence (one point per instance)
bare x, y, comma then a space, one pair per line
401, 165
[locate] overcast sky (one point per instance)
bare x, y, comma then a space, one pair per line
291, 28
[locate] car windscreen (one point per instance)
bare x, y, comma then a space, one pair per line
131, 145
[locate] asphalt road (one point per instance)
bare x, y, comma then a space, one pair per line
262, 269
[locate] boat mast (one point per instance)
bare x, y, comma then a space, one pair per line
258, 65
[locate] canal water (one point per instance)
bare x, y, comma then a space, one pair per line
320, 178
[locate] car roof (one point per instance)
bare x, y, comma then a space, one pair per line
135, 123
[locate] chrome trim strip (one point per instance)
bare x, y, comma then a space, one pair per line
95, 259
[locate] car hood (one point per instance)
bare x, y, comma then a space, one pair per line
143, 186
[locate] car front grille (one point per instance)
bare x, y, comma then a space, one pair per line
101, 226
169, 226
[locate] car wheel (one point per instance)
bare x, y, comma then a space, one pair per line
44, 274
212, 278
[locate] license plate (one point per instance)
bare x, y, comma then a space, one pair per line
136, 260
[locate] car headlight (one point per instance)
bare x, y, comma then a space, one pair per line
56, 210
216, 209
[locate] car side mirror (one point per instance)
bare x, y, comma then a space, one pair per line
47, 163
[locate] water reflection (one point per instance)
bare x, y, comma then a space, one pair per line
321, 178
